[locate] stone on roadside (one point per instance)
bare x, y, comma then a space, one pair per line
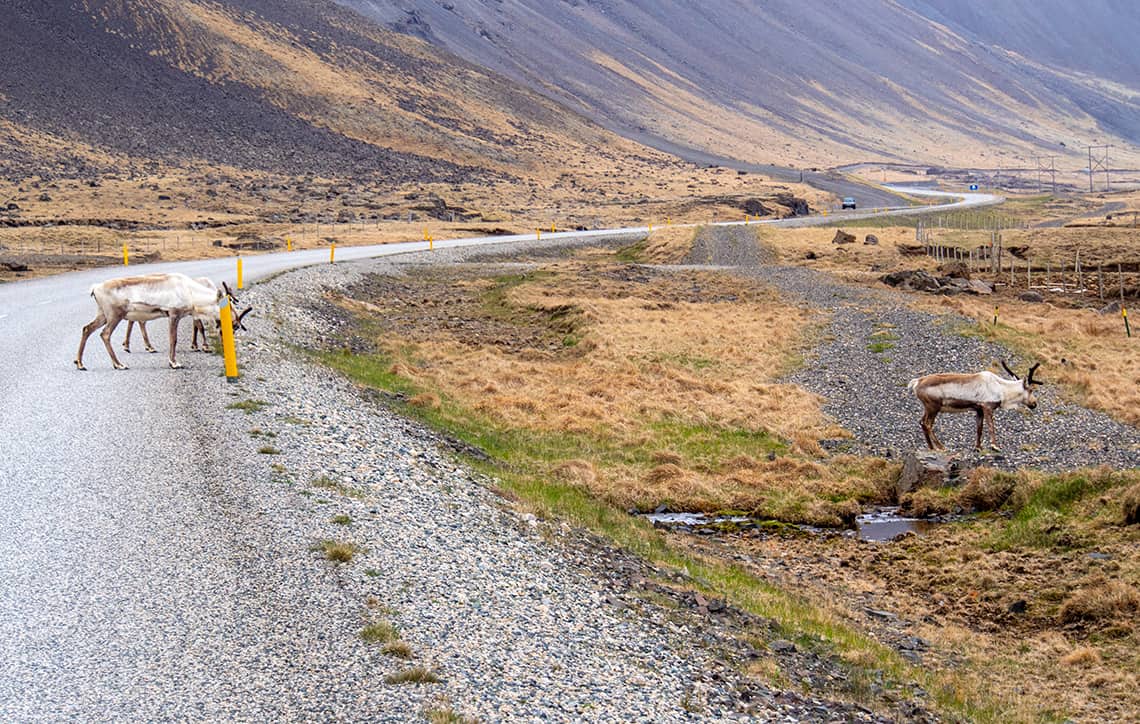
1031, 296
871, 240
842, 237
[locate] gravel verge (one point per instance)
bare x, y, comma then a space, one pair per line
866, 393
516, 616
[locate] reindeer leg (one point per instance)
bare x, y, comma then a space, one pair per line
993, 433
174, 341
980, 418
200, 327
146, 340
96, 323
932, 440
127, 339
106, 335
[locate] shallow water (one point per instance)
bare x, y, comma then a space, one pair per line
886, 523
693, 520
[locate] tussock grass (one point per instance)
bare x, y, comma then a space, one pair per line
327, 483
446, 715
1102, 601
339, 551
415, 675
268, 450
398, 649
342, 519
380, 632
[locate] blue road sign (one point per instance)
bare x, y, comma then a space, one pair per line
973, 187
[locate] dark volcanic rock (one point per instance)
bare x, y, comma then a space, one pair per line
842, 237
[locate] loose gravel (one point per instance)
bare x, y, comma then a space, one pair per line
499, 605
866, 391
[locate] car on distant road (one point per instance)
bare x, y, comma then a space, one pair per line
848, 202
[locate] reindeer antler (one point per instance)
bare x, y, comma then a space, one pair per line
1029, 379
1009, 371
229, 292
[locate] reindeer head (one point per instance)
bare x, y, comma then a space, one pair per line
1027, 397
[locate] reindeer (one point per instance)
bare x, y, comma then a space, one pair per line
198, 327
143, 298
981, 392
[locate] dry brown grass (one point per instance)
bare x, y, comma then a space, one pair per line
1130, 505
1101, 602
656, 396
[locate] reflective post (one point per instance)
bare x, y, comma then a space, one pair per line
226, 317
239, 286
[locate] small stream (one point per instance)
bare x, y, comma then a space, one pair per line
879, 525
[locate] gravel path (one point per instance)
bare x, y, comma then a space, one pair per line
497, 604
866, 391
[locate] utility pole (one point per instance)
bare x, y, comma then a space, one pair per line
1051, 168
1099, 162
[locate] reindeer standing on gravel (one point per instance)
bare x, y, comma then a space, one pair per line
981, 393
143, 298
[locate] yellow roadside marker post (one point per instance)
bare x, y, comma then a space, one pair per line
552, 229
228, 352
332, 254
995, 316
1124, 313
538, 234
431, 242
239, 285
126, 256
288, 244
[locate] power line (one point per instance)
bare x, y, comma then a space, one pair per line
1099, 162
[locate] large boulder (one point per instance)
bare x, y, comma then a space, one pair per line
930, 469
915, 280
842, 237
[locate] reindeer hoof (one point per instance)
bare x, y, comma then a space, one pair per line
175, 366
79, 366
120, 367
152, 350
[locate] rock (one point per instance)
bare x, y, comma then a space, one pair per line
796, 205
717, 605
955, 270
1018, 606
782, 646
811, 255
45, 197
661, 509
917, 280
14, 266
1110, 308
871, 240
1031, 296
755, 208
924, 469
977, 286
842, 237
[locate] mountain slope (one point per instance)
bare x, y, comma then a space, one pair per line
793, 81
293, 86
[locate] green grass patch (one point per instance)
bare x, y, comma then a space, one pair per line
1048, 515
326, 483
342, 519
248, 406
268, 450
634, 253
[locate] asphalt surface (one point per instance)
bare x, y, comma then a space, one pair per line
134, 584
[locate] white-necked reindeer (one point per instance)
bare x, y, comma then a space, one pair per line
198, 327
981, 393
143, 298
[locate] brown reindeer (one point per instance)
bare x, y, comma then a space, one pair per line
980, 393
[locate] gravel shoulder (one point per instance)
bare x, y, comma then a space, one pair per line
520, 618
865, 390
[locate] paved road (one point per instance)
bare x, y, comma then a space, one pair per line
132, 584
